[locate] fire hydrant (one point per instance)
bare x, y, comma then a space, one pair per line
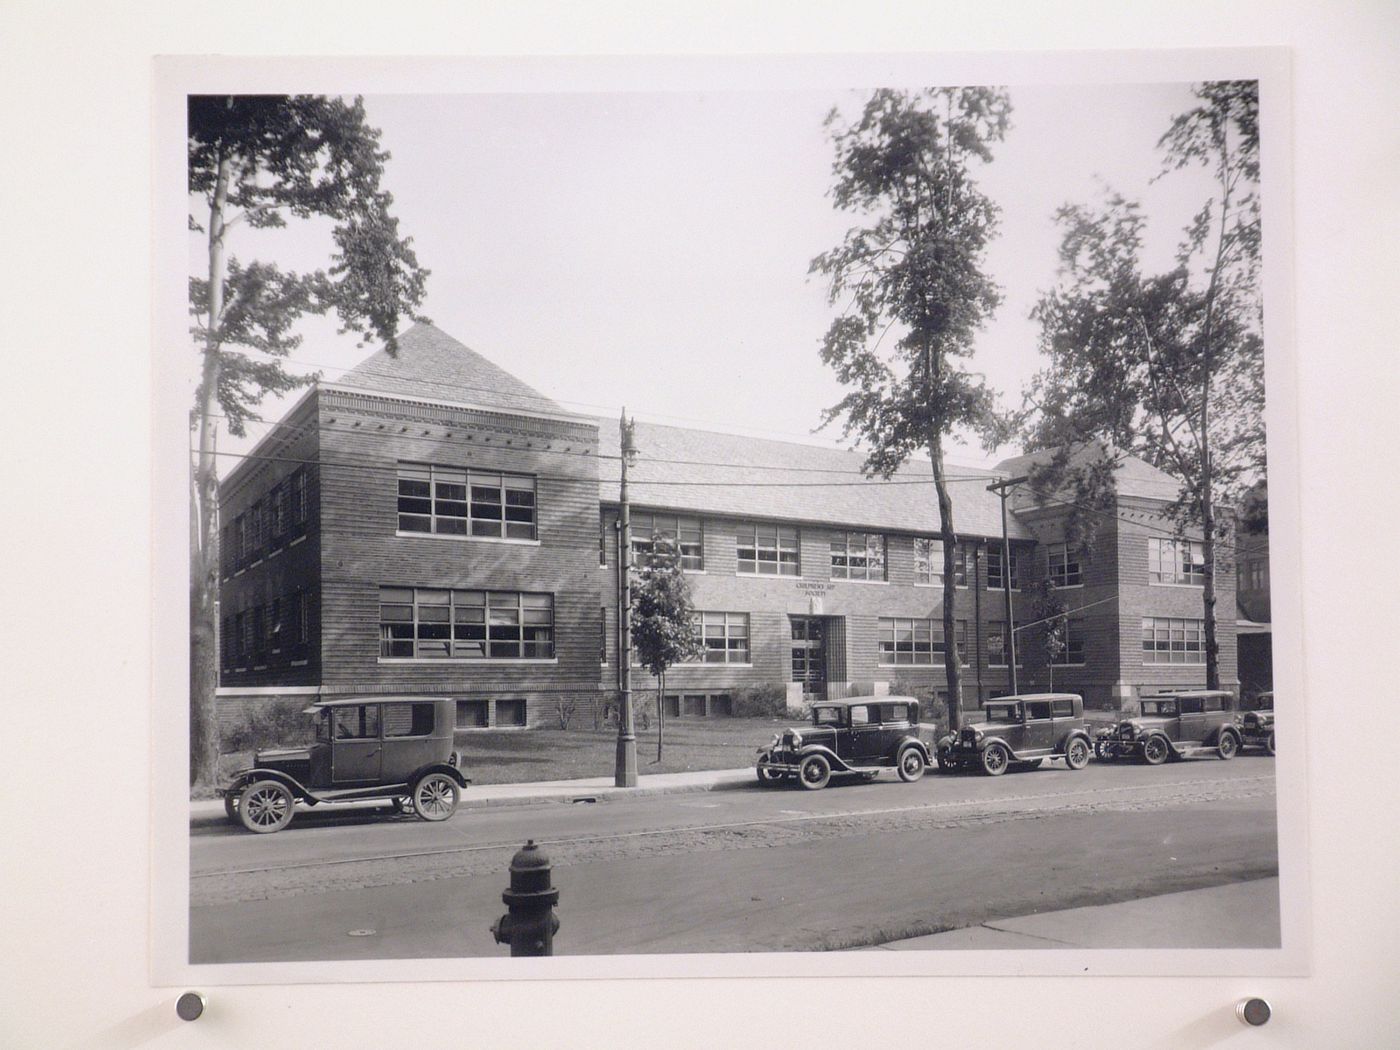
531, 924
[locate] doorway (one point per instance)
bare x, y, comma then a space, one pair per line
809, 656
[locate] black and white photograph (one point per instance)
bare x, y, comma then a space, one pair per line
703, 522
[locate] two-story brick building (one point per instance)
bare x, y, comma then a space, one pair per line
430, 524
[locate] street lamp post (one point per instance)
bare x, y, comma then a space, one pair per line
625, 770
1009, 638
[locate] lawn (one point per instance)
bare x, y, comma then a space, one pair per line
520, 756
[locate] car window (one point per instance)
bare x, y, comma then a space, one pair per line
1062, 708
1037, 709
827, 716
408, 719
860, 715
356, 723
1191, 705
1165, 708
1003, 712
1213, 703
897, 713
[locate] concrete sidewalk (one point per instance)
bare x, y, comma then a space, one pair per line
591, 789
1235, 915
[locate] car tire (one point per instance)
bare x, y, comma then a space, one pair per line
435, 797
1155, 751
1227, 746
814, 772
231, 807
1077, 753
265, 806
1269, 743
768, 777
995, 760
1102, 751
911, 765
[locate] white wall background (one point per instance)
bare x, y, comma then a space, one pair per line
75, 434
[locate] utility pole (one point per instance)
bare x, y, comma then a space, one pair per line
1009, 642
625, 771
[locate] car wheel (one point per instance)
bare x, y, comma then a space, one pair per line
1155, 751
435, 797
1103, 752
911, 764
1226, 746
1077, 753
768, 777
231, 807
265, 806
815, 772
1269, 744
995, 759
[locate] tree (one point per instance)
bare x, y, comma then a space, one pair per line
663, 620
1049, 611
256, 160
1168, 366
914, 265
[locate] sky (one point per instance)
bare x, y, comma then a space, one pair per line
650, 249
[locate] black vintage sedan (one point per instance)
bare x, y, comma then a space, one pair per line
858, 736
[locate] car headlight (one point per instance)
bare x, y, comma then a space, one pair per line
796, 739
977, 734
777, 739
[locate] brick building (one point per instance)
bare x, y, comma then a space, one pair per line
430, 524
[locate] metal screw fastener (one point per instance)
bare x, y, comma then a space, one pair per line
1254, 1012
190, 1006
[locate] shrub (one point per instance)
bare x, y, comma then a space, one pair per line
273, 723
565, 707
760, 701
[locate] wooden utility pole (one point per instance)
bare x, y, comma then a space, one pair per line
1009, 641
625, 770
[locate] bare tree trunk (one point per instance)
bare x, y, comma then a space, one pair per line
660, 712
952, 658
204, 568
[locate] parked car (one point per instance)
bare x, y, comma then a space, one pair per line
858, 736
1175, 725
1020, 732
1257, 726
394, 748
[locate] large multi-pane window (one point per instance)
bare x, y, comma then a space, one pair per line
994, 568
429, 623
767, 550
996, 645
1169, 640
458, 502
688, 535
1176, 561
1072, 651
928, 563
1062, 565
857, 556
917, 642
724, 636
1254, 574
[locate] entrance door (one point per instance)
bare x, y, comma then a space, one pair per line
809, 656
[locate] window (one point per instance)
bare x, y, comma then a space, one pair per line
510, 712
860, 715
1176, 561
473, 714
857, 556
226, 640
896, 713
426, 623
725, 637
1213, 703
258, 515
260, 634
917, 642
295, 632
356, 722
1167, 640
603, 635
687, 534
768, 550
1253, 574
602, 541
1073, 652
1036, 709
1062, 565
277, 513
241, 545
456, 502
996, 645
1062, 708
408, 719
227, 555
299, 503
928, 563
994, 568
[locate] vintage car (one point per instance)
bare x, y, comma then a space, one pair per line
858, 736
1257, 726
1174, 725
1020, 732
394, 748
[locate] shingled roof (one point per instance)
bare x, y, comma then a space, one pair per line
431, 364
1133, 477
707, 472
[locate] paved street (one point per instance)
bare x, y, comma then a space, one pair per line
746, 869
